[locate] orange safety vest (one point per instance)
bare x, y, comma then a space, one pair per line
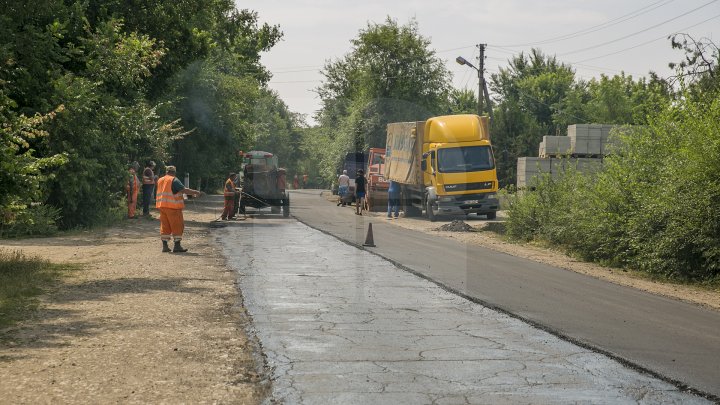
165, 197
231, 192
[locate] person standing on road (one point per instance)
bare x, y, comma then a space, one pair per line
296, 183
393, 199
170, 202
343, 187
131, 188
229, 193
148, 184
360, 183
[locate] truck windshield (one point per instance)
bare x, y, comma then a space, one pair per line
465, 159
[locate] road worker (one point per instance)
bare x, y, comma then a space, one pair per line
170, 191
131, 189
148, 185
229, 193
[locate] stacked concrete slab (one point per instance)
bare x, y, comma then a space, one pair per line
581, 150
555, 146
590, 139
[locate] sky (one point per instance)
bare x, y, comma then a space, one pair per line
595, 37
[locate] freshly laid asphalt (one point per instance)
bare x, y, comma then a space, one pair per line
677, 340
342, 325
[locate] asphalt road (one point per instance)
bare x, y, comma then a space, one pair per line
676, 340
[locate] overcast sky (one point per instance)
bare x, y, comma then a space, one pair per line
596, 37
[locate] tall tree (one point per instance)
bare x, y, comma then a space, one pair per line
528, 91
391, 74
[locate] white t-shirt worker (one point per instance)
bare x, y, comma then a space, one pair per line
343, 186
344, 180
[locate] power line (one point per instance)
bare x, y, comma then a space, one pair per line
638, 32
589, 67
647, 42
606, 24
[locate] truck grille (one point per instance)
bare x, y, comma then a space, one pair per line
485, 185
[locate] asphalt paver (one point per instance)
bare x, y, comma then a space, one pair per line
340, 325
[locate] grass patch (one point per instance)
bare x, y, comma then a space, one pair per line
22, 280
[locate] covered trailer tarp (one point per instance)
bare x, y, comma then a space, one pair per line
403, 152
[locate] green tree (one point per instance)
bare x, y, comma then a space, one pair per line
390, 75
462, 102
700, 67
23, 174
278, 130
529, 92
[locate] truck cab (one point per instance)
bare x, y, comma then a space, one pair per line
445, 165
460, 178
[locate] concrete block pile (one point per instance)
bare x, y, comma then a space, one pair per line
555, 146
581, 150
590, 139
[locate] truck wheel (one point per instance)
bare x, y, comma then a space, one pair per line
430, 214
242, 207
286, 207
491, 215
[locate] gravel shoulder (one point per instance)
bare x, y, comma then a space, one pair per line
133, 324
481, 237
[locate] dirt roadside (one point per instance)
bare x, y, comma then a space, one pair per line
694, 295
134, 325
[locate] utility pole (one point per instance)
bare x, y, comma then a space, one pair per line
481, 77
482, 85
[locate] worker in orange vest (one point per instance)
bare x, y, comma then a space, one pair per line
229, 194
131, 189
170, 202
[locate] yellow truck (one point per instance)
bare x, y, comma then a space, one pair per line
444, 165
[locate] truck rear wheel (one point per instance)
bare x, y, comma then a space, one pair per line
286, 207
430, 213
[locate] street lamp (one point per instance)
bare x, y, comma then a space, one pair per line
462, 61
482, 89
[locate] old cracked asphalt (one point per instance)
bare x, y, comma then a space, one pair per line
341, 325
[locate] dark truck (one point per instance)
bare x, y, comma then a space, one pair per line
263, 183
352, 162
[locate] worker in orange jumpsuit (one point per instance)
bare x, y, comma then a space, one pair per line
170, 203
229, 194
131, 189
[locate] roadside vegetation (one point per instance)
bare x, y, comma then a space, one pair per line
654, 205
87, 87
22, 280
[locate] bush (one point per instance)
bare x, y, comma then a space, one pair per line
21, 221
654, 207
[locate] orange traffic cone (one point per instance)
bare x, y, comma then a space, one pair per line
369, 238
